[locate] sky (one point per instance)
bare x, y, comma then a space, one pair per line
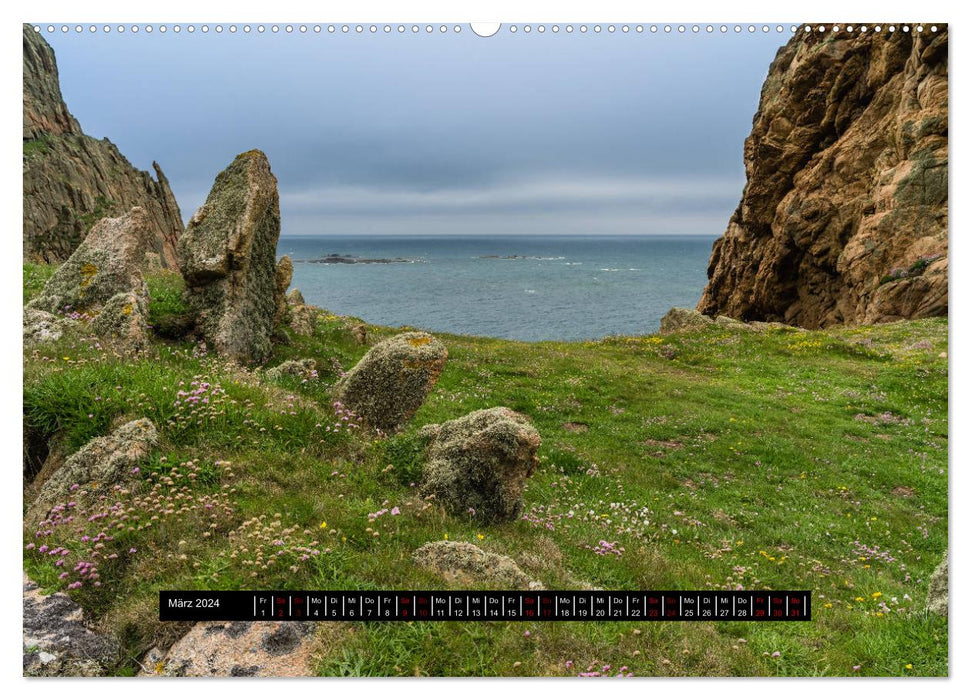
380, 134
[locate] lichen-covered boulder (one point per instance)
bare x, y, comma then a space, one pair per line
732, 323
304, 369
284, 273
359, 332
44, 327
937, 589
463, 563
240, 649
97, 467
295, 298
479, 464
392, 380
107, 262
228, 259
678, 319
124, 317
303, 319
58, 642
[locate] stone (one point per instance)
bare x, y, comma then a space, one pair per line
124, 318
844, 215
57, 641
228, 259
677, 320
731, 323
295, 298
284, 274
303, 319
464, 564
106, 263
359, 332
72, 180
392, 380
478, 465
937, 589
261, 649
97, 467
304, 369
43, 327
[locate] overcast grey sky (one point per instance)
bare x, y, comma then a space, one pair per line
438, 133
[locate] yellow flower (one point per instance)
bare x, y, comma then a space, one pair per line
859, 599
909, 667
480, 536
446, 535
828, 605
323, 524
877, 594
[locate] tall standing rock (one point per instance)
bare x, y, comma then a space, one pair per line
228, 259
284, 274
844, 215
71, 180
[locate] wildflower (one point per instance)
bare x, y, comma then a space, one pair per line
856, 668
480, 536
323, 524
446, 536
909, 667
526, 634
396, 511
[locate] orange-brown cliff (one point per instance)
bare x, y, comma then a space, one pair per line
843, 219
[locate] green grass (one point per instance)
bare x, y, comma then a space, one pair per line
787, 459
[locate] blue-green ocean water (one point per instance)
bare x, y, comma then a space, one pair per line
561, 288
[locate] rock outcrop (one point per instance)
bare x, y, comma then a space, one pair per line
464, 564
284, 273
303, 370
71, 180
101, 283
844, 217
392, 380
937, 589
228, 259
97, 467
58, 642
478, 465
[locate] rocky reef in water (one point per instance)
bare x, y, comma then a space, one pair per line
72, 180
844, 217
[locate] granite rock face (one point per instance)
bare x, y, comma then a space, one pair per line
392, 380
71, 180
478, 465
228, 259
844, 216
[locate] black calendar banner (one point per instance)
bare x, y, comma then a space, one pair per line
448, 606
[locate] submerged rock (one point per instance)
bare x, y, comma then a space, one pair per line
937, 589
392, 380
465, 564
58, 642
478, 464
228, 259
98, 466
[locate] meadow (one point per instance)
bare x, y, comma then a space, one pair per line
715, 459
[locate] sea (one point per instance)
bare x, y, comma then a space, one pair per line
529, 288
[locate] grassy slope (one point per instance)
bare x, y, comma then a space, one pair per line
714, 459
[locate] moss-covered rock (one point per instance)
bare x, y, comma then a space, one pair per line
303, 319
295, 297
228, 258
97, 467
678, 319
44, 327
284, 273
937, 589
392, 380
107, 262
478, 464
463, 563
298, 369
123, 318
